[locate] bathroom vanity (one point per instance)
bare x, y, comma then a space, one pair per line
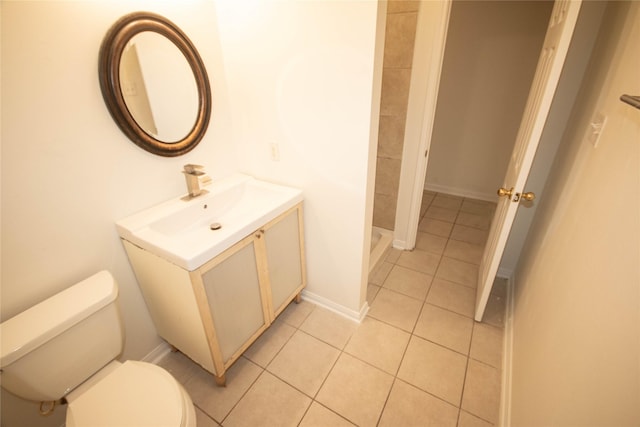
213, 308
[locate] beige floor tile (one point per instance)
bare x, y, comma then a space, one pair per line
422, 261
380, 273
203, 420
441, 214
446, 201
378, 344
460, 272
435, 369
304, 362
463, 251
482, 391
486, 344
269, 402
179, 365
478, 207
218, 401
396, 309
426, 201
469, 234
408, 282
495, 311
410, 406
329, 327
356, 390
319, 416
472, 220
468, 420
452, 296
295, 314
445, 327
434, 226
430, 243
393, 255
372, 291
265, 348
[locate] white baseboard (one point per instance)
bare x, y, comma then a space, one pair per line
462, 192
507, 357
158, 353
336, 308
400, 244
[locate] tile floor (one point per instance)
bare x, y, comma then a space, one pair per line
417, 359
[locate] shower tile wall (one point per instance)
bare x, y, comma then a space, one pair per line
402, 17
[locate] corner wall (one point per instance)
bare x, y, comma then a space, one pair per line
576, 323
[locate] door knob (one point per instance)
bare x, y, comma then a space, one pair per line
503, 192
528, 196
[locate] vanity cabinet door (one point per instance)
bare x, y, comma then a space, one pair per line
285, 258
235, 299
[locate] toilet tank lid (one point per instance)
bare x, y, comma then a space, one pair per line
42, 322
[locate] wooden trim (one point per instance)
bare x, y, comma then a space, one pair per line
279, 217
293, 296
303, 260
207, 321
245, 346
263, 276
226, 254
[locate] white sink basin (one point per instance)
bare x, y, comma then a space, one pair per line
180, 231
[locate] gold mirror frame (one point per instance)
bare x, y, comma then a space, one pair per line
109, 75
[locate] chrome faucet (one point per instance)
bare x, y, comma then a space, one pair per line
192, 173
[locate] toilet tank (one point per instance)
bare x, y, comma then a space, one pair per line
51, 348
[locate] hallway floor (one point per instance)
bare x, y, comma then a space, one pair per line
417, 359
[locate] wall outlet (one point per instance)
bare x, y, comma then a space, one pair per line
596, 128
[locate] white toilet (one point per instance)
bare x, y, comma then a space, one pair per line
66, 346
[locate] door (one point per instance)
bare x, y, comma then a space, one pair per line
545, 81
285, 259
232, 286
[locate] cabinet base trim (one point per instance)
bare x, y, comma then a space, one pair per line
356, 316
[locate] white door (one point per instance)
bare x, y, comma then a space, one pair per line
554, 51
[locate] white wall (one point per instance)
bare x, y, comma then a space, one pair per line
576, 323
302, 79
300, 74
490, 58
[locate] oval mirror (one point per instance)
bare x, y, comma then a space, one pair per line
154, 84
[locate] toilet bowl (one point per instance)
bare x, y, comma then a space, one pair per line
66, 347
131, 394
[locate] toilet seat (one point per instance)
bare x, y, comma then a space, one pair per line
134, 394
